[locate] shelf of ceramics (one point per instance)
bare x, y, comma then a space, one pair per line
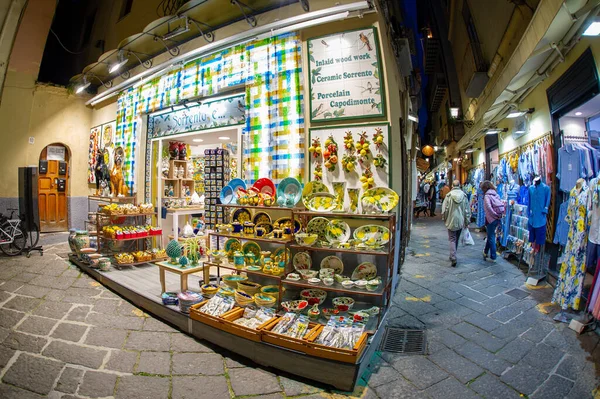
251, 238
229, 266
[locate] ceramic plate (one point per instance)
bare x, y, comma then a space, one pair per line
372, 235
236, 184
265, 186
241, 215
253, 247
333, 262
267, 226
302, 261
279, 251
364, 271
297, 224
337, 230
261, 217
290, 188
226, 195
232, 245
312, 188
321, 202
318, 226
385, 197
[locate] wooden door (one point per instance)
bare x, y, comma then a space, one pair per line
52, 200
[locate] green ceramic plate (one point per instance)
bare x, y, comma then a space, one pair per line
241, 215
253, 247
280, 251
372, 235
321, 202
232, 245
337, 230
311, 188
261, 217
302, 261
318, 226
364, 271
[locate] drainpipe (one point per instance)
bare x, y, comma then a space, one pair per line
451, 21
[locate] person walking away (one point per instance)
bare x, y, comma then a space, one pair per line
432, 199
494, 209
444, 191
456, 214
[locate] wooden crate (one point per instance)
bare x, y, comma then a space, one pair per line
338, 354
213, 321
241, 331
297, 344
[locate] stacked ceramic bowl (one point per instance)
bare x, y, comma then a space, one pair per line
187, 299
243, 299
265, 301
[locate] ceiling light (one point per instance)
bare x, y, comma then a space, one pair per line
454, 112
224, 138
593, 29
118, 66
471, 150
197, 140
495, 130
82, 87
517, 113
578, 113
519, 131
413, 117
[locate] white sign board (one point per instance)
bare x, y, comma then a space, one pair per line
345, 76
55, 153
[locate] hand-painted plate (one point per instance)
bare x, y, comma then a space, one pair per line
253, 247
311, 188
302, 261
364, 271
372, 235
284, 220
236, 184
280, 251
318, 226
385, 197
232, 245
265, 186
261, 217
321, 202
241, 215
227, 196
337, 230
333, 262
290, 187
267, 226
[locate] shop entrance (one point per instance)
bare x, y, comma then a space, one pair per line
53, 188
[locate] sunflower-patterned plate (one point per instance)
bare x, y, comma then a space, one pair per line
302, 261
318, 226
267, 226
261, 217
253, 247
364, 271
282, 221
241, 215
280, 252
333, 262
372, 235
386, 198
311, 188
337, 230
321, 202
232, 245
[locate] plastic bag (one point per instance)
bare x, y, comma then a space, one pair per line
467, 238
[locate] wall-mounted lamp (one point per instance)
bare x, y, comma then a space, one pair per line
495, 130
517, 113
454, 112
471, 150
86, 83
593, 29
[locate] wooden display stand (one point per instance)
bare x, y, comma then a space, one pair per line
183, 274
178, 182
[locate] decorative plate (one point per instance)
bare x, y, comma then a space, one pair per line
311, 188
261, 217
241, 215
267, 226
337, 230
290, 187
385, 197
302, 261
372, 235
333, 262
226, 195
265, 186
364, 271
321, 202
280, 251
318, 226
253, 247
313, 296
236, 184
297, 224
232, 245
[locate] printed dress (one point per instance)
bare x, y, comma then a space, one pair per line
572, 271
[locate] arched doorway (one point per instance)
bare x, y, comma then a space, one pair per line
53, 188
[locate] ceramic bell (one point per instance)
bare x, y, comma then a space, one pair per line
314, 312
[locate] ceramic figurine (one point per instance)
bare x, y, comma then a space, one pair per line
183, 261
314, 312
171, 192
190, 170
182, 151
117, 182
165, 167
173, 149
173, 251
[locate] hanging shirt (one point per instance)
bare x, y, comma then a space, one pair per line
593, 207
539, 201
523, 195
512, 192
562, 227
570, 167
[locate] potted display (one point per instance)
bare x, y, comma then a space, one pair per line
173, 251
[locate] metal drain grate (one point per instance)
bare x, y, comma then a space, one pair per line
517, 293
401, 340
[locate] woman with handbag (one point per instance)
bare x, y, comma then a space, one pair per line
494, 210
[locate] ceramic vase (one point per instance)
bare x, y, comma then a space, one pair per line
81, 240
72, 233
339, 191
353, 197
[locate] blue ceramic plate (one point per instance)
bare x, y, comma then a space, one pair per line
235, 184
227, 196
290, 189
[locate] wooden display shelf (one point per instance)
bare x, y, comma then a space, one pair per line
228, 325
120, 215
267, 208
343, 215
337, 287
250, 238
115, 263
229, 266
110, 199
126, 239
340, 250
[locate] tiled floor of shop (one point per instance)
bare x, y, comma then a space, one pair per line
64, 335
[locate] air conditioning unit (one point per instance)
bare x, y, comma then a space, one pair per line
520, 127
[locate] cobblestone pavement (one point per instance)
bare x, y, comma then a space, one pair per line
64, 335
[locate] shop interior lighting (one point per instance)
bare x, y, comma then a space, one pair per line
413, 117
593, 29
454, 112
83, 86
517, 113
471, 150
197, 140
578, 113
120, 64
495, 130
224, 138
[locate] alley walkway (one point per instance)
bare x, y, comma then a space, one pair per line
64, 335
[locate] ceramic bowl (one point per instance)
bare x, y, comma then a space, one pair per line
243, 299
343, 303
314, 296
326, 272
314, 280
104, 264
264, 300
340, 279
348, 283
248, 287
226, 290
328, 281
308, 274
294, 306
209, 290
328, 312
232, 280
306, 239
271, 290
361, 284
372, 285
293, 276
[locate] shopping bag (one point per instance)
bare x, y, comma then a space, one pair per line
467, 239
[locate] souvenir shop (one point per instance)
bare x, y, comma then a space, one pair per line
265, 238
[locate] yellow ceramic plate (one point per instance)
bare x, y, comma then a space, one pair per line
372, 235
385, 197
337, 230
321, 202
311, 188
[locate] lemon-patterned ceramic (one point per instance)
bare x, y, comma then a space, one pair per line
372, 235
321, 202
337, 230
386, 198
353, 197
339, 191
318, 226
311, 188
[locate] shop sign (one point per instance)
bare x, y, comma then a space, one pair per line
345, 76
209, 115
55, 153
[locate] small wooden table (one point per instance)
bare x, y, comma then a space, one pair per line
183, 273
